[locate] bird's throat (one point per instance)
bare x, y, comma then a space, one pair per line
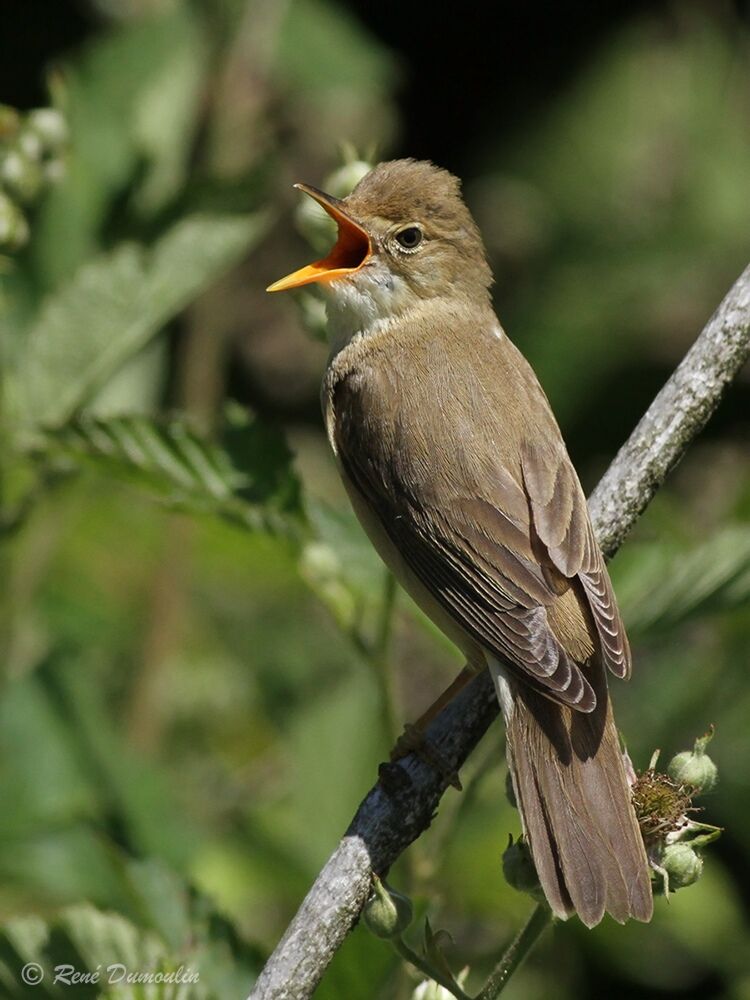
366, 304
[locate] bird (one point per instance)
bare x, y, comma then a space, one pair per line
457, 470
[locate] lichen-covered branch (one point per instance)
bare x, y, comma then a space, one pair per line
401, 805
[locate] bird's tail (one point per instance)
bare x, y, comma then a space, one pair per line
575, 804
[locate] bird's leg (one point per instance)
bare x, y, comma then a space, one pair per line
414, 740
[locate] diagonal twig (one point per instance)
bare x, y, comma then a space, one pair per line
401, 805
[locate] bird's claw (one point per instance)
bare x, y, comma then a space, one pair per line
413, 740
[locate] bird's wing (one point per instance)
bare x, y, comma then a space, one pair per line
477, 560
560, 518
496, 558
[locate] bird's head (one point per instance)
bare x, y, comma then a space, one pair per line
404, 235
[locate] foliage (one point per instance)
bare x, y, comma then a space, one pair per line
202, 660
192, 951
111, 309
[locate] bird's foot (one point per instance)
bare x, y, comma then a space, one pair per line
414, 740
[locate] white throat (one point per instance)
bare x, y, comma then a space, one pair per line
364, 304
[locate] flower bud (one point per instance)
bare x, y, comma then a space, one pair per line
320, 561
30, 145
49, 126
519, 869
682, 864
694, 767
344, 180
387, 913
21, 175
14, 229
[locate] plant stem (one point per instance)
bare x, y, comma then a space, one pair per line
516, 952
432, 973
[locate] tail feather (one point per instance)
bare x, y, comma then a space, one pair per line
575, 805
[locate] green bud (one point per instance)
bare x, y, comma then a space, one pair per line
21, 175
697, 770
49, 126
344, 180
14, 229
320, 561
387, 913
682, 864
519, 869
694, 767
30, 145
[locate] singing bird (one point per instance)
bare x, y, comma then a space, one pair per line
457, 469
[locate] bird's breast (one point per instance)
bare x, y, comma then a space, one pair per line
421, 410
361, 414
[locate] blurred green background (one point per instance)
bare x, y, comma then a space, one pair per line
202, 663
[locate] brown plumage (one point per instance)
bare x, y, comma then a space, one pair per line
457, 469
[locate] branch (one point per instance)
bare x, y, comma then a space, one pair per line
401, 805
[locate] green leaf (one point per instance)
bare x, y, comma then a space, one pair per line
167, 114
323, 46
133, 98
261, 453
93, 953
663, 587
183, 470
114, 306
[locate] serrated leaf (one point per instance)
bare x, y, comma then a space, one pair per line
166, 924
86, 952
113, 307
261, 453
177, 467
170, 458
89, 953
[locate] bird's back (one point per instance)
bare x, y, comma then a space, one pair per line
425, 439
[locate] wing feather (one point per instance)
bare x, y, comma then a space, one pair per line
498, 594
578, 555
493, 521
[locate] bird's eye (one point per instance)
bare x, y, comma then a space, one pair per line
409, 238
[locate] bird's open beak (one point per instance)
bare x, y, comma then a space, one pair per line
352, 249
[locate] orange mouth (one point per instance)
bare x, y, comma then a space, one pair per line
351, 252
